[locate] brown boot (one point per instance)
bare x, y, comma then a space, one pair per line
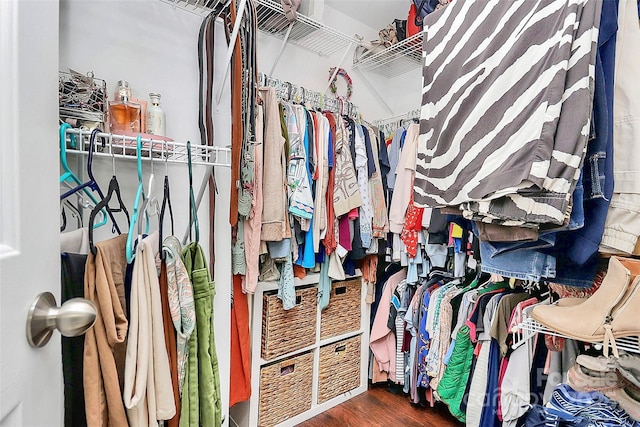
611, 312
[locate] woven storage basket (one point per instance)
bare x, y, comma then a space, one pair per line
339, 368
285, 389
284, 331
342, 315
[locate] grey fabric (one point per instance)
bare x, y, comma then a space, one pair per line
506, 107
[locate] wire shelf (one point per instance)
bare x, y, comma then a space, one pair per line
529, 328
397, 59
124, 147
306, 32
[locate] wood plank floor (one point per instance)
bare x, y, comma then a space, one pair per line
380, 408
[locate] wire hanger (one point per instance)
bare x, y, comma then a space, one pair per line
166, 200
140, 198
193, 212
69, 177
75, 213
150, 205
114, 188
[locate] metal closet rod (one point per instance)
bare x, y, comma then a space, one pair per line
413, 114
295, 93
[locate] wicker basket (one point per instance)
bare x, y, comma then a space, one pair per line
342, 315
339, 368
284, 331
285, 389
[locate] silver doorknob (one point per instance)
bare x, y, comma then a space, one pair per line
75, 317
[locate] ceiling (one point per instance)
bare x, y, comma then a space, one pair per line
374, 13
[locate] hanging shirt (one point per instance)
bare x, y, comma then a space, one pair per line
504, 126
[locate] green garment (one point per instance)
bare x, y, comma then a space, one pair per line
454, 381
201, 403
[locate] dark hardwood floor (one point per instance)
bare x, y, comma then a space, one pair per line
378, 407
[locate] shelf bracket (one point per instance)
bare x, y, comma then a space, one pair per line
335, 72
284, 43
374, 91
230, 49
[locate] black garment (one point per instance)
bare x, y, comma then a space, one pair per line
438, 228
73, 347
385, 166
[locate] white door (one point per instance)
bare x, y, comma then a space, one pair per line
30, 379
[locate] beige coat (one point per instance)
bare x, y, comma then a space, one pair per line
148, 392
105, 343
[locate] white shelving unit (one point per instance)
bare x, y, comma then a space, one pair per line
161, 150
395, 60
246, 414
306, 32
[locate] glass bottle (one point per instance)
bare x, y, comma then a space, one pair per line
124, 115
155, 116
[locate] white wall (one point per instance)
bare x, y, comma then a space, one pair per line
153, 46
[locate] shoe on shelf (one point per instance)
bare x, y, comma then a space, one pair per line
569, 405
627, 365
610, 313
626, 402
582, 380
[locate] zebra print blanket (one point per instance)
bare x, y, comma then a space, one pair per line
506, 107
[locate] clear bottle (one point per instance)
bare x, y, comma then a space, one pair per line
155, 116
124, 115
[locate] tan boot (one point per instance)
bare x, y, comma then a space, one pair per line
611, 312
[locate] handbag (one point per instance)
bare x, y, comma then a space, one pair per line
401, 28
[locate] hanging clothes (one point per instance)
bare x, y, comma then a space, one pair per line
105, 344
148, 391
240, 347
74, 247
273, 187
177, 294
253, 224
480, 147
201, 402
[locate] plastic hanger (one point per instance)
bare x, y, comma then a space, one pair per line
69, 177
140, 198
92, 184
114, 188
193, 212
166, 200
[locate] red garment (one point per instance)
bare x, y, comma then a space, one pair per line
345, 232
299, 271
240, 389
503, 369
412, 225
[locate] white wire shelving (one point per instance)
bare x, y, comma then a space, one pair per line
305, 32
528, 328
395, 60
125, 147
